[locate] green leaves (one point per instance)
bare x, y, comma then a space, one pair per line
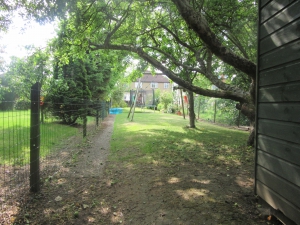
22, 73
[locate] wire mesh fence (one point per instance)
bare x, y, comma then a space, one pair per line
59, 124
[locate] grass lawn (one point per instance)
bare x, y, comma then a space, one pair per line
160, 138
15, 136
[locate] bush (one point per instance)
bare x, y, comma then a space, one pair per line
165, 99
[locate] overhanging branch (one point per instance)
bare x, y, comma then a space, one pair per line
197, 22
239, 96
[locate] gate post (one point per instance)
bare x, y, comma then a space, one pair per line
35, 138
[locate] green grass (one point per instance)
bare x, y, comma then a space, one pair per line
15, 136
165, 138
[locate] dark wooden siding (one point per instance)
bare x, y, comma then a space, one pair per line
277, 179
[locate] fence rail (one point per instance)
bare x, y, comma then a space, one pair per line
34, 135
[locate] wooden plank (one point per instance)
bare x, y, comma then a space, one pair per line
273, 7
280, 20
281, 168
282, 149
281, 55
280, 37
282, 130
277, 202
286, 73
287, 190
280, 93
288, 112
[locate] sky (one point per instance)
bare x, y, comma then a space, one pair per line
21, 34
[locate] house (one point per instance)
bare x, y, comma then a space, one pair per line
149, 82
277, 147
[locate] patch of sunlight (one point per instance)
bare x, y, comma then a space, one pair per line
186, 140
146, 158
130, 166
109, 182
155, 162
105, 210
61, 181
150, 133
201, 181
48, 211
158, 183
244, 182
91, 219
221, 157
192, 193
167, 118
117, 217
237, 162
173, 180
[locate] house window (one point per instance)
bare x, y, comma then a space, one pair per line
137, 83
154, 85
166, 85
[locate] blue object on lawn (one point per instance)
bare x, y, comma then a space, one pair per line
115, 110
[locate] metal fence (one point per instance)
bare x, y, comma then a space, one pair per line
34, 134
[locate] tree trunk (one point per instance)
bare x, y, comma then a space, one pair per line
250, 141
192, 109
249, 111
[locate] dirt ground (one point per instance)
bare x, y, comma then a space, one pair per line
90, 189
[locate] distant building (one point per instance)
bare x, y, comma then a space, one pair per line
148, 85
149, 81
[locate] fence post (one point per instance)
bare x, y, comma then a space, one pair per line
102, 110
97, 113
35, 138
215, 111
85, 119
107, 108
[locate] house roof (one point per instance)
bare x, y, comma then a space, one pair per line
157, 78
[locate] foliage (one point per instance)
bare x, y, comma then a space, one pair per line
22, 73
149, 29
184, 39
41, 11
70, 92
226, 113
165, 99
7, 95
117, 95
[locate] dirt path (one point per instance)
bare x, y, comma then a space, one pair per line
71, 195
93, 190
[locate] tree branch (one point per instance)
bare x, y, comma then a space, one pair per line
236, 95
177, 38
117, 26
196, 21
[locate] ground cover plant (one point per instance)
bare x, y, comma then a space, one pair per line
153, 170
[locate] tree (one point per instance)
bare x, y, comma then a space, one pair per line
165, 98
177, 37
41, 11
82, 82
22, 73
117, 94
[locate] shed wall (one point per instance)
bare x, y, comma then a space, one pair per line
277, 179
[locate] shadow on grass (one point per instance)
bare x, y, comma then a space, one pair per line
157, 176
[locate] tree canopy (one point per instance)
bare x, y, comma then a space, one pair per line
211, 39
